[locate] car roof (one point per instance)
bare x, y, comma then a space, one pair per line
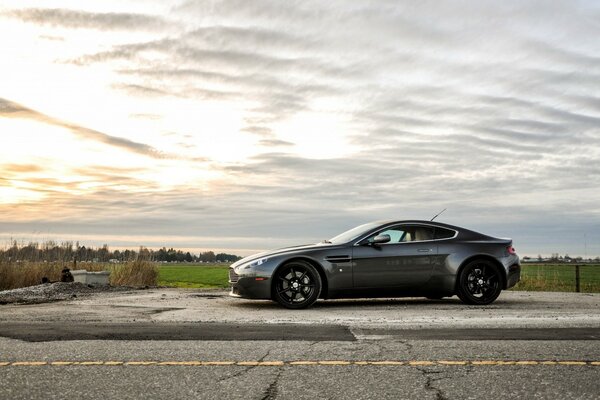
417, 221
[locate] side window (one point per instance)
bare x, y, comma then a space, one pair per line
422, 233
397, 234
441, 233
410, 233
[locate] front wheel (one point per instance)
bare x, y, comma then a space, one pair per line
479, 283
297, 284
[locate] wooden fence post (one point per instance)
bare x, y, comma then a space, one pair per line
577, 279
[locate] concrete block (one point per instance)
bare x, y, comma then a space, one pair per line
91, 278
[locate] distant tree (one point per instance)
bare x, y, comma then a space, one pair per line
51, 251
224, 257
144, 253
207, 256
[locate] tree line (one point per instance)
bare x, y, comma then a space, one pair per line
51, 251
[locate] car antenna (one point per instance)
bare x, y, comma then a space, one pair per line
436, 215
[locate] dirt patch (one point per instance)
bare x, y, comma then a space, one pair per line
50, 292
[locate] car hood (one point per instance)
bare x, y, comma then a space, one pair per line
281, 251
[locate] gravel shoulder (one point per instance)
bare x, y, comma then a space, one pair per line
51, 292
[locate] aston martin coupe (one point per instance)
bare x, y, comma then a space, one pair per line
382, 259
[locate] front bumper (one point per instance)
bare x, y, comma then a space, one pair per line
251, 288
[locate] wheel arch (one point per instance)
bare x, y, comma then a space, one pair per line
485, 257
315, 264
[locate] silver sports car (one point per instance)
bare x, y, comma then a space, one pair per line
382, 259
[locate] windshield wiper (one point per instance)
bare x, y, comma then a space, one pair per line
326, 241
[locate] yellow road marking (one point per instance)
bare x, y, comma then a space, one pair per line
421, 363
141, 363
484, 362
271, 363
279, 363
29, 363
452, 362
187, 363
386, 362
303, 363
219, 363
334, 362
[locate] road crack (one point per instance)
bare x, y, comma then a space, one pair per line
245, 370
408, 344
271, 392
429, 383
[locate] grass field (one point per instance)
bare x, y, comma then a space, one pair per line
194, 275
535, 277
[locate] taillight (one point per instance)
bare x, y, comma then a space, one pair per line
511, 250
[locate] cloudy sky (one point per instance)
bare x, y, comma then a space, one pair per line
245, 125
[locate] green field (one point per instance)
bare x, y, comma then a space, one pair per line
194, 275
534, 277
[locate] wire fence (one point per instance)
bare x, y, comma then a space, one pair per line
583, 278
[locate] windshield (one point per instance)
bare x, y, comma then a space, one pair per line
354, 233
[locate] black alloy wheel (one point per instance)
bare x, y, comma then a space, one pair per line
297, 284
479, 283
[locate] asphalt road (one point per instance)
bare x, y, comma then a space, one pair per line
53, 331
111, 347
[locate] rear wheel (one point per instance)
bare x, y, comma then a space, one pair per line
297, 284
479, 283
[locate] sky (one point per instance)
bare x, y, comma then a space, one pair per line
242, 125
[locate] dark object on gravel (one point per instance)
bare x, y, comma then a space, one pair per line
66, 275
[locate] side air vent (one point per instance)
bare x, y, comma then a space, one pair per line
338, 259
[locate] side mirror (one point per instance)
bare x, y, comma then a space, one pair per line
380, 239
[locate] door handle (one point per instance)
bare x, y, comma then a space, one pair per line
424, 250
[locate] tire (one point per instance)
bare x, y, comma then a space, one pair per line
297, 284
479, 283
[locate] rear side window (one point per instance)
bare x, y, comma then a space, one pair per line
441, 233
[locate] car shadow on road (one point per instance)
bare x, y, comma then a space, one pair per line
452, 302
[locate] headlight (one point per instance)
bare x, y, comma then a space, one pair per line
254, 263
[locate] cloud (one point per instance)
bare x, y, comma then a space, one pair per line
20, 168
13, 110
78, 19
490, 110
275, 142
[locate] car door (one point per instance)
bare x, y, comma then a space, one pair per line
403, 262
